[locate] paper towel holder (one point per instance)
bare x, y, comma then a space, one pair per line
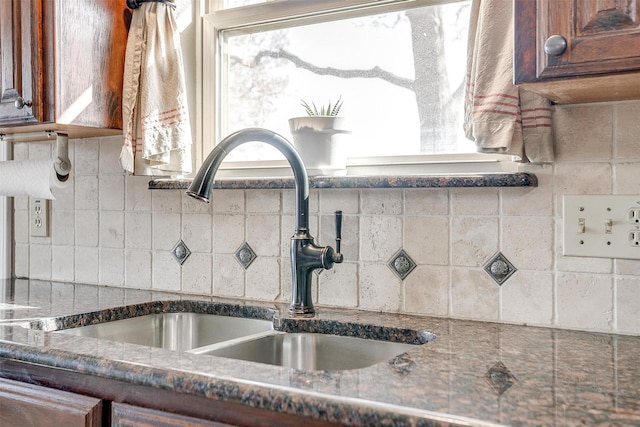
62, 165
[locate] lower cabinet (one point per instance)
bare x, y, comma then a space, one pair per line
27, 405
128, 416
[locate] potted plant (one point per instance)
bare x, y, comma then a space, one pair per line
319, 138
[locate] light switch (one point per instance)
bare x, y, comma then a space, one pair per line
605, 226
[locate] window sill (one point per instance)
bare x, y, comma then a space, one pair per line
510, 179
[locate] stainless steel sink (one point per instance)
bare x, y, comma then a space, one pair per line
175, 331
311, 351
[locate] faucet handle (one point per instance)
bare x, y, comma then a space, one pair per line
338, 230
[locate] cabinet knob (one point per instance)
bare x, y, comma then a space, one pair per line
555, 45
20, 103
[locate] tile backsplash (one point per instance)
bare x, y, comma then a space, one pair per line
108, 228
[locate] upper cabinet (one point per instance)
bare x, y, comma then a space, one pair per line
62, 64
576, 51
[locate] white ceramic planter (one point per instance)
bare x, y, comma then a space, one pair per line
320, 141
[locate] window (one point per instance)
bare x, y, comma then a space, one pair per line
398, 66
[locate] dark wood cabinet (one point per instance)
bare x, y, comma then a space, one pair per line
64, 60
601, 61
26, 405
126, 415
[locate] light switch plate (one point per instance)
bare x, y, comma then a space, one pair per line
603, 226
39, 218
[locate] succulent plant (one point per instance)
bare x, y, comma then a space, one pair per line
328, 110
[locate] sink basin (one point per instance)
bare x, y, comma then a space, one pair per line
310, 351
175, 331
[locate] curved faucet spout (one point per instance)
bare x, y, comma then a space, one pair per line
306, 256
202, 184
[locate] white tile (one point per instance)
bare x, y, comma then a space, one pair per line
628, 305
263, 279
166, 201
228, 233
527, 297
426, 291
137, 193
111, 192
228, 276
21, 260
111, 265
426, 239
263, 201
111, 229
137, 230
585, 301
474, 201
62, 227
87, 266
426, 201
227, 201
196, 232
345, 200
196, 274
474, 240
63, 263
381, 201
582, 178
138, 269
339, 286
474, 295
86, 156
380, 289
40, 262
263, 234
528, 242
87, 229
166, 274
86, 192
110, 148
380, 237
166, 230
528, 201
583, 132
21, 229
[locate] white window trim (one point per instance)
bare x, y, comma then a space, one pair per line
305, 11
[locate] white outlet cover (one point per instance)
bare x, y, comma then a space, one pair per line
610, 226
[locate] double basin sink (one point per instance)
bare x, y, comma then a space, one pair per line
247, 339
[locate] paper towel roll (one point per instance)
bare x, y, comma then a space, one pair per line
33, 178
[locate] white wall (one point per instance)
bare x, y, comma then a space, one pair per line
5, 223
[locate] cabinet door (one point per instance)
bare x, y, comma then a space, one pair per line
127, 416
21, 61
26, 405
603, 36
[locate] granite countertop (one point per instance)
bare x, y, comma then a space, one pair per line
472, 373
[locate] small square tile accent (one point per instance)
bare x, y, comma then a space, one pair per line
181, 252
401, 264
500, 378
499, 268
245, 255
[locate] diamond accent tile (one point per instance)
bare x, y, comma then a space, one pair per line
245, 255
181, 252
500, 378
499, 268
401, 264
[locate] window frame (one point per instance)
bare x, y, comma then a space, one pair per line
306, 12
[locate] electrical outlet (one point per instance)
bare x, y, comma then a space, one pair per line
602, 226
39, 220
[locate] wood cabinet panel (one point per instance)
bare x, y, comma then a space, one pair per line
129, 416
67, 58
26, 405
602, 58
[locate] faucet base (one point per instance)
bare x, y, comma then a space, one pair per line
301, 311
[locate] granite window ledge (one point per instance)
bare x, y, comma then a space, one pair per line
511, 179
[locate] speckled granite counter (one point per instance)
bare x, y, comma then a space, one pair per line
473, 373
515, 179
